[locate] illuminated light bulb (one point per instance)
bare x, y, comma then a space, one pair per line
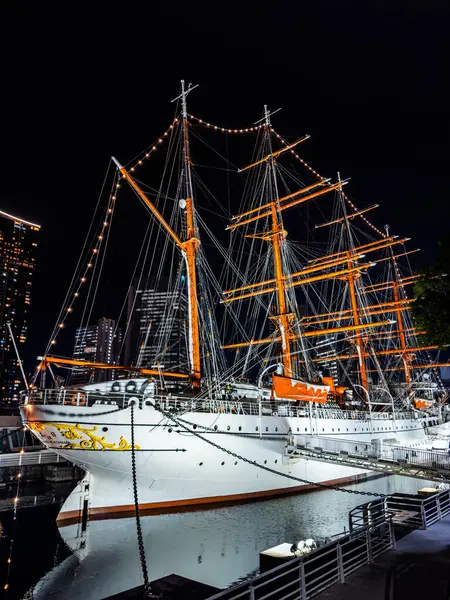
117, 185
6, 586
9, 561
139, 162
154, 148
171, 127
16, 500
147, 155
19, 475
61, 325
105, 223
114, 198
53, 342
95, 250
76, 294
100, 237
89, 265
160, 141
132, 169
22, 451
110, 210
83, 280
165, 134
70, 309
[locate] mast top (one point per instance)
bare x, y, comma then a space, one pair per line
267, 115
183, 95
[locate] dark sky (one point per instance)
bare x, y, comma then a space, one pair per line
367, 80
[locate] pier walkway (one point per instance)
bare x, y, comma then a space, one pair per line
398, 548
410, 461
419, 567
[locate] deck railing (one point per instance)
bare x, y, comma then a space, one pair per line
238, 405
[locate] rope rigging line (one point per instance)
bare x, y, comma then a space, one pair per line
145, 154
320, 177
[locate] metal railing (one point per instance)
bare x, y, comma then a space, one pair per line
408, 455
305, 577
41, 457
234, 405
418, 512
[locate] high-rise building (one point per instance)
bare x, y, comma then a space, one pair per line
18, 244
157, 326
96, 343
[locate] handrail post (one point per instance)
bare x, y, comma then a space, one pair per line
340, 564
392, 534
252, 593
369, 546
302, 580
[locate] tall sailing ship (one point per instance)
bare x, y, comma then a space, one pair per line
305, 329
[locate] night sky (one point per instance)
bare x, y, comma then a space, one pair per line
367, 80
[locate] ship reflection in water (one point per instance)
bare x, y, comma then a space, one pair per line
216, 547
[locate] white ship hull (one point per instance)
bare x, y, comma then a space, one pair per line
175, 468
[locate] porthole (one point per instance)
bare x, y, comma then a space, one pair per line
332, 429
276, 428
256, 428
298, 429
195, 426
104, 429
339, 428
200, 464
267, 429
306, 429
276, 460
228, 428
324, 429
240, 428
347, 429
222, 464
265, 462
169, 430
235, 462
215, 427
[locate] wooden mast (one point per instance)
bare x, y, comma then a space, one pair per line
188, 246
401, 332
351, 278
191, 245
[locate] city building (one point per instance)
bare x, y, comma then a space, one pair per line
157, 326
96, 343
18, 245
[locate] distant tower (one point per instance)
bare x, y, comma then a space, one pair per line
18, 245
157, 326
96, 343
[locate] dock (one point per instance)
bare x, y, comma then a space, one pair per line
398, 548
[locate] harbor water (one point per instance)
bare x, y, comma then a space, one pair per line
217, 547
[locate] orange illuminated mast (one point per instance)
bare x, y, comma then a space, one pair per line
277, 237
396, 284
189, 246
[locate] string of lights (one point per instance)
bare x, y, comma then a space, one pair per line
15, 513
253, 129
92, 258
152, 148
